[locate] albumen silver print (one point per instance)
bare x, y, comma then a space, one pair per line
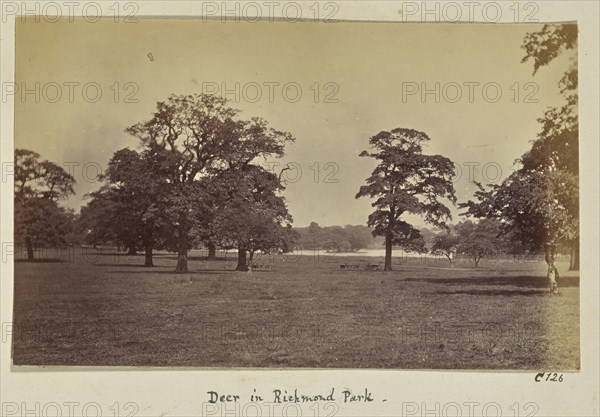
258, 186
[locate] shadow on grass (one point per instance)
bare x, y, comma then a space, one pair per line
152, 271
91, 253
201, 258
495, 293
100, 253
40, 261
149, 268
518, 281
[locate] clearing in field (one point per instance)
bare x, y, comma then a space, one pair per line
303, 314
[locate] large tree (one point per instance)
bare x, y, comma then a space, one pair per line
250, 214
539, 203
129, 208
556, 147
540, 207
201, 136
406, 181
38, 187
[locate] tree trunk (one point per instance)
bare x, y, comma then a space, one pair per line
574, 264
182, 250
148, 244
29, 245
148, 260
388, 252
132, 250
552, 271
212, 252
242, 263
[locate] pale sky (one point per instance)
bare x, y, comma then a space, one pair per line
367, 64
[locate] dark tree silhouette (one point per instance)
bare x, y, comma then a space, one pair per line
201, 136
39, 185
250, 214
129, 208
445, 244
481, 239
406, 181
540, 201
557, 144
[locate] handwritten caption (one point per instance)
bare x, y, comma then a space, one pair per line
279, 396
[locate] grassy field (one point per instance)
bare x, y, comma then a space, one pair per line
110, 310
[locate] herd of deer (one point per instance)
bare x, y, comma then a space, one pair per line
355, 267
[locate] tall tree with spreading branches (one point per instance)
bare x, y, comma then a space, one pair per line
540, 201
250, 213
129, 208
38, 186
556, 147
200, 136
406, 181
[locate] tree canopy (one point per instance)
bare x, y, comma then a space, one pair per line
482, 239
335, 238
406, 181
129, 209
38, 186
445, 244
540, 201
250, 214
198, 137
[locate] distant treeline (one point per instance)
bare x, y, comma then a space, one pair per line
348, 238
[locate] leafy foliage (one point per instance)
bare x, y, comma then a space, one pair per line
249, 212
130, 207
197, 137
481, 239
546, 45
540, 207
406, 182
40, 179
445, 244
335, 238
38, 187
539, 203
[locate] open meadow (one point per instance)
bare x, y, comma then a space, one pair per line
306, 312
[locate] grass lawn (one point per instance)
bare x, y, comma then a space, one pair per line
307, 314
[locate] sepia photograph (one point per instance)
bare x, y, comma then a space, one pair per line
198, 193
293, 208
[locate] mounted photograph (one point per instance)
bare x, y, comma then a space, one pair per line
210, 194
